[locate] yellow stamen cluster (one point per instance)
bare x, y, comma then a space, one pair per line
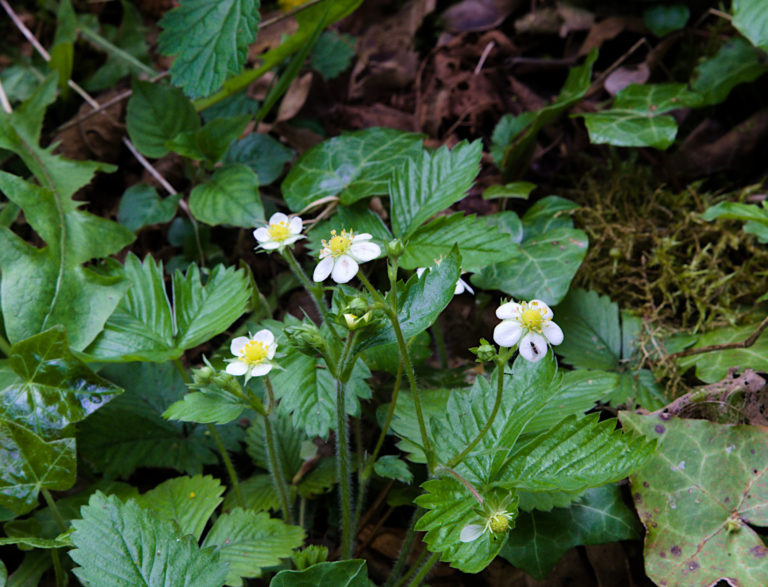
254, 352
499, 522
339, 243
279, 231
532, 317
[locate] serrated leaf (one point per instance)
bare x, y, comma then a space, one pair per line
155, 114
263, 154
210, 143
539, 539
578, 453
405, 423
349, 573
258, 492
231, 196
392, 467
698, 498
750, 18
287, 439
351, 166
546, 500
186, 501
517, 189
146, 327
43, 287
736, 62
28, 464
45, 388
386, 357
210, 41
122, 544
141, 206
250, 542
208, 405
332, 54
713, 366
451, 507
430, 182
480, 244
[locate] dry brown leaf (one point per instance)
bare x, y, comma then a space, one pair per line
295, 98
624, 76
478, 15
96, 137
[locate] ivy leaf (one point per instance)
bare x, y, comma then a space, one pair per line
263, 154
480, 244
351, 166
44, 287
155, 114
350, 573
141, 206
28, 464
430, 182
186, 501
210, 41
231, 196
699, 498
146, 327
735, 63
210, 143
750, 19
628, 128
250, 542
123, 544
46, 388
539, 539
450, 507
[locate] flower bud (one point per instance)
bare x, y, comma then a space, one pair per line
395, 248
306, 337
486, 352
202, 375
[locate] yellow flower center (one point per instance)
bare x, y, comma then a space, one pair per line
339, 243
532, 319
279, 231
499, 522
254, 352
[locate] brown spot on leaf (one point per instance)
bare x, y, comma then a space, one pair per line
646, 484
659, 429
758, 551
676, 550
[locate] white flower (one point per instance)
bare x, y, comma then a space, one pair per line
342, 254
531, 324
281, 232
254, 354
496, 523
461, 285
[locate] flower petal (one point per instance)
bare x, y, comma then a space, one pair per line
264, 336
344, 269
507, 333
271, 245
461, 287
364, 251
237, 368
545, 310
553, 333
292, 239
238, 344
363, 236
508, 310
471, 532
271, 350
420, 271
295, 225
533, 347
260, 369
261, 234
277, 218
323, 269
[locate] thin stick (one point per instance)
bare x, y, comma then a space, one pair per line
748, 342
275, 19
25, 31
487, 51
597, 84
4, 100
152, 171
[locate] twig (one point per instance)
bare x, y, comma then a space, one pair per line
487, 51
275, 19
748, 342
597, 84
4, 100
24, 30
148, 166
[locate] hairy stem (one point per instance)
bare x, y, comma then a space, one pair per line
275, 468
314, 290
344, 470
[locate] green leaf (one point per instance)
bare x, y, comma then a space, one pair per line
123, 544
548, 214
405, 423
542, 267
736, 62
210, 143
43, 287
146, 327
28, 464
231, 196
699, 498
392, 467
351, 166
509, 223
518, 189
332, 54
210, 41
45, 388
751, 20
288, 441
430, 182
664, 19
321, 479
358, 217
208, 405
258, 492
234, 105
479, 243
386, 357
578, 453
450, 507
263, 154
713, 366
156, 114
186, 501
62, 53
349, 573
141, 206
250, 542
627, 128
539, 539
756, 217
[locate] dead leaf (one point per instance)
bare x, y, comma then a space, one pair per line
478, 15
98, 136
574, 19
378, 114
608, 29
624, 76
295, 98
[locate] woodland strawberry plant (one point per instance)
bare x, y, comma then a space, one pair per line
168, 419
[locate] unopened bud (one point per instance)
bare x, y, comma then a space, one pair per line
395, 248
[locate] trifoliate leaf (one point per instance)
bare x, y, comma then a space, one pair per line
210, 40
429, 183
122, 544
350, 573
141, 206
230, 196
46, 388
250, 542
